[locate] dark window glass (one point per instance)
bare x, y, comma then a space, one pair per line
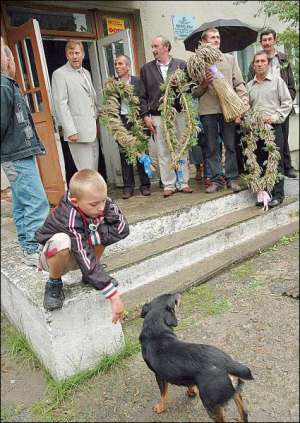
21, 60
112, 51
30, 103
34, 76
52, 20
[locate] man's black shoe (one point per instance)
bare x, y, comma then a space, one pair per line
145, 191
275, 202
291, 173
54, 296
127, 194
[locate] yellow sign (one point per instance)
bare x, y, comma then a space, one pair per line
115, 25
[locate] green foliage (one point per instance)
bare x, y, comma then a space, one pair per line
20, 349
287, 11
59, 390
177, 86
134, 141
205, 300
253, 129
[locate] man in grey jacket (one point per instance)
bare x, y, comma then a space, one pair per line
20, 144
76, 107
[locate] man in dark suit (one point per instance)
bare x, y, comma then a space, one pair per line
152, 75
122, 66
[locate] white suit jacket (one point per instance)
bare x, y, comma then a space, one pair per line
75, 105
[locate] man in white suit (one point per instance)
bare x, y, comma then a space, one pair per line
76, 107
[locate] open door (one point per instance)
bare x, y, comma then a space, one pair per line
31, 73
109, 48
112, 46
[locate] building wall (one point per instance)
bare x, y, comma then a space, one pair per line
156, 18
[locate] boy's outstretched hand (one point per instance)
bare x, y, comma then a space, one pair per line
117, 308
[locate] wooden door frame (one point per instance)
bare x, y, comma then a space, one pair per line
54, 186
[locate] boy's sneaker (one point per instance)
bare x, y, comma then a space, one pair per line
31, 259
54, 296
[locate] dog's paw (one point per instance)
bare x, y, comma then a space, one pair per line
192, 391
159, 407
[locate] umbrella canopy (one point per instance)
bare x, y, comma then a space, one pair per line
235, 35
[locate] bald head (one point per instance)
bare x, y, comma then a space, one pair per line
8, 65
4, 58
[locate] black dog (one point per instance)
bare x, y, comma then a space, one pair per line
209, 369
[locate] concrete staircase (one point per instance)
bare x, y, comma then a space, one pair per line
165, 252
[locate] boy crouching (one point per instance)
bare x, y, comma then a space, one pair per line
74, 236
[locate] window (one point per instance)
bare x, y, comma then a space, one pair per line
50, 20
245, 57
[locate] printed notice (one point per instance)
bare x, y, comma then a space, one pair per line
115, 25
183, 26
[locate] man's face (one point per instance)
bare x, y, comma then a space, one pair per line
268, 43
121, 67
75, 57
159, 51
261, 64
213, 39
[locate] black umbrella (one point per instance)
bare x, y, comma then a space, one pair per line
235, 35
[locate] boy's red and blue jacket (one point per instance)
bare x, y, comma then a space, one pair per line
86, 232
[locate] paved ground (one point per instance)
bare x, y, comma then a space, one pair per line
242, 311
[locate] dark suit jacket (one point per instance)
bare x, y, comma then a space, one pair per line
286, 73
150, 92
134, 80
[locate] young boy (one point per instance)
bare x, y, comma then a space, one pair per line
74, 236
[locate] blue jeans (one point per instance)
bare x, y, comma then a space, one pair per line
29, 201
212, 125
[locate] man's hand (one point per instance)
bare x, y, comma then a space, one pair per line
73, 138
268, 119
238, 120
150, 124
117, 308
209, 77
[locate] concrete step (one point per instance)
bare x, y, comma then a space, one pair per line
201, 272
155, 223
212, 235
144, 264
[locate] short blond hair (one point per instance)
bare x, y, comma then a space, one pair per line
205, 33
86, 179
71, 44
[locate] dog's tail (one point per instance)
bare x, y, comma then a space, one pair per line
240, 370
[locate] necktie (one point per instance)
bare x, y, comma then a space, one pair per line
86, 81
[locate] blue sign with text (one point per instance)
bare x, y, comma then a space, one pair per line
183, 26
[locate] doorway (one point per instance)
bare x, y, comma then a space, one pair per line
54, 50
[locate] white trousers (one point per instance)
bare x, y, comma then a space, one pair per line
158, 148
85, 154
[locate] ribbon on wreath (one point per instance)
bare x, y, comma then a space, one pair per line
146, 161
264, 198
179, 173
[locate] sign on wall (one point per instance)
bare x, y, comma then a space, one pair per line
115, 25
183, 26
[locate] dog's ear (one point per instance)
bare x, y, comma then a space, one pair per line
145, 309
170, 317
